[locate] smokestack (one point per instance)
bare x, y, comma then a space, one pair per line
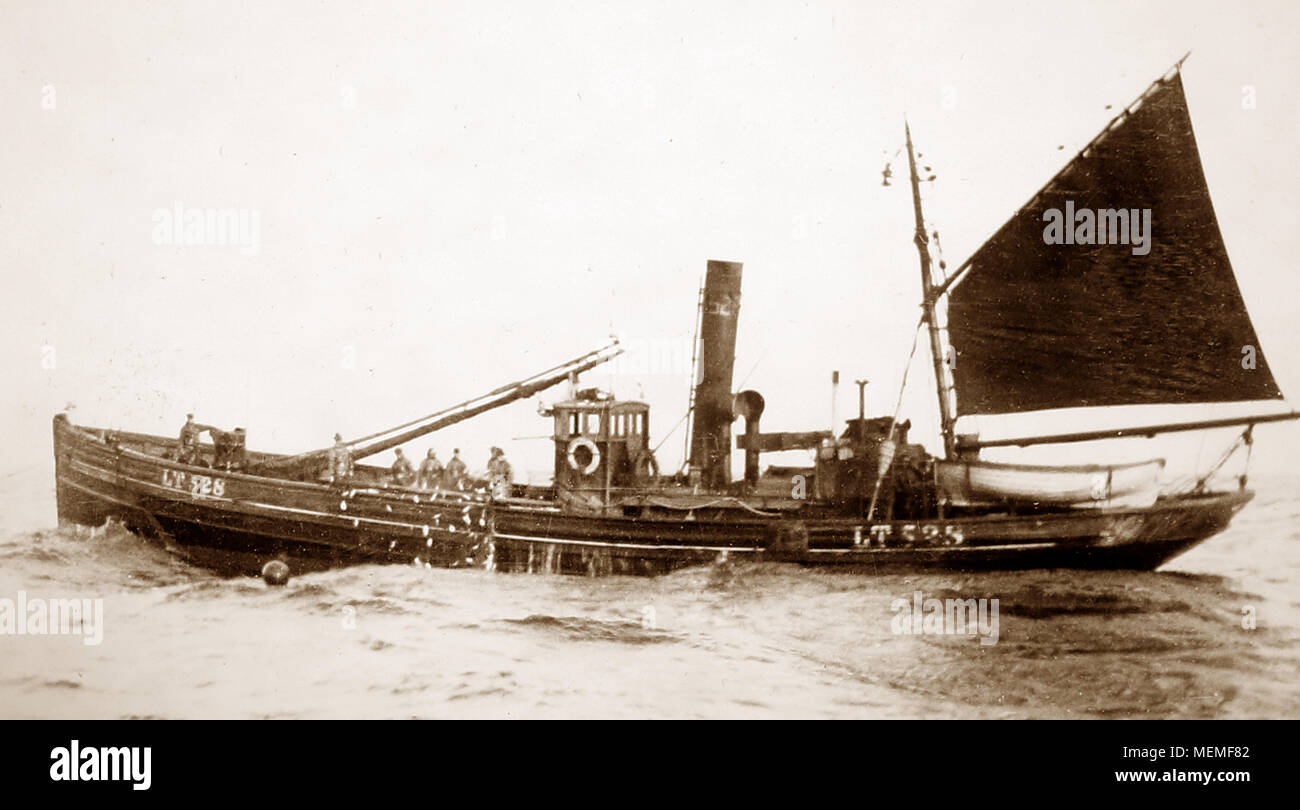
711, 434
835, 393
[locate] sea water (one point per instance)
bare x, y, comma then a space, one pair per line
1213, 634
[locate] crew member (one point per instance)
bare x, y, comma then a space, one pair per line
237, 457
454, 475
403, 472
340, 460
430, 471
498, 473
189, 440
228, 450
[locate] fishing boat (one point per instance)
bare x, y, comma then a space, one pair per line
1032, 324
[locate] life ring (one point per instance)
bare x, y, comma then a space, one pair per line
576, 444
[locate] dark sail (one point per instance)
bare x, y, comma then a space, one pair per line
1038, 325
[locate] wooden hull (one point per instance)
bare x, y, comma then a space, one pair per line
236, 523
1140, 538
975, 482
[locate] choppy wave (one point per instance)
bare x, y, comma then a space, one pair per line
576, 628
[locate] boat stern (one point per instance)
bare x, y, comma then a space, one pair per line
76, 505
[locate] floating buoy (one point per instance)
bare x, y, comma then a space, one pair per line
276, 572
722, 573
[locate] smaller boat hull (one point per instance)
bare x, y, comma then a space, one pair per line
969, 483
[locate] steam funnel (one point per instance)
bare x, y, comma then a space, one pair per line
711, 434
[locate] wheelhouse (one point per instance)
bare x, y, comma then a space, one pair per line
601, 444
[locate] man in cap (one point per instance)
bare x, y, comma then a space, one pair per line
189, 440
498, 473
228, 448
430, 471
340, 460
403, 472
455, 472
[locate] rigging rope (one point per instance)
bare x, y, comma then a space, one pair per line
1246, 438
898, 406
717, 502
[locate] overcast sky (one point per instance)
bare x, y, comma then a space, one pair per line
453, 195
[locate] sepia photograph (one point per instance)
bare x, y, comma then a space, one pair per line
717, 360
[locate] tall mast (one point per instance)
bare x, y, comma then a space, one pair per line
928, 305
